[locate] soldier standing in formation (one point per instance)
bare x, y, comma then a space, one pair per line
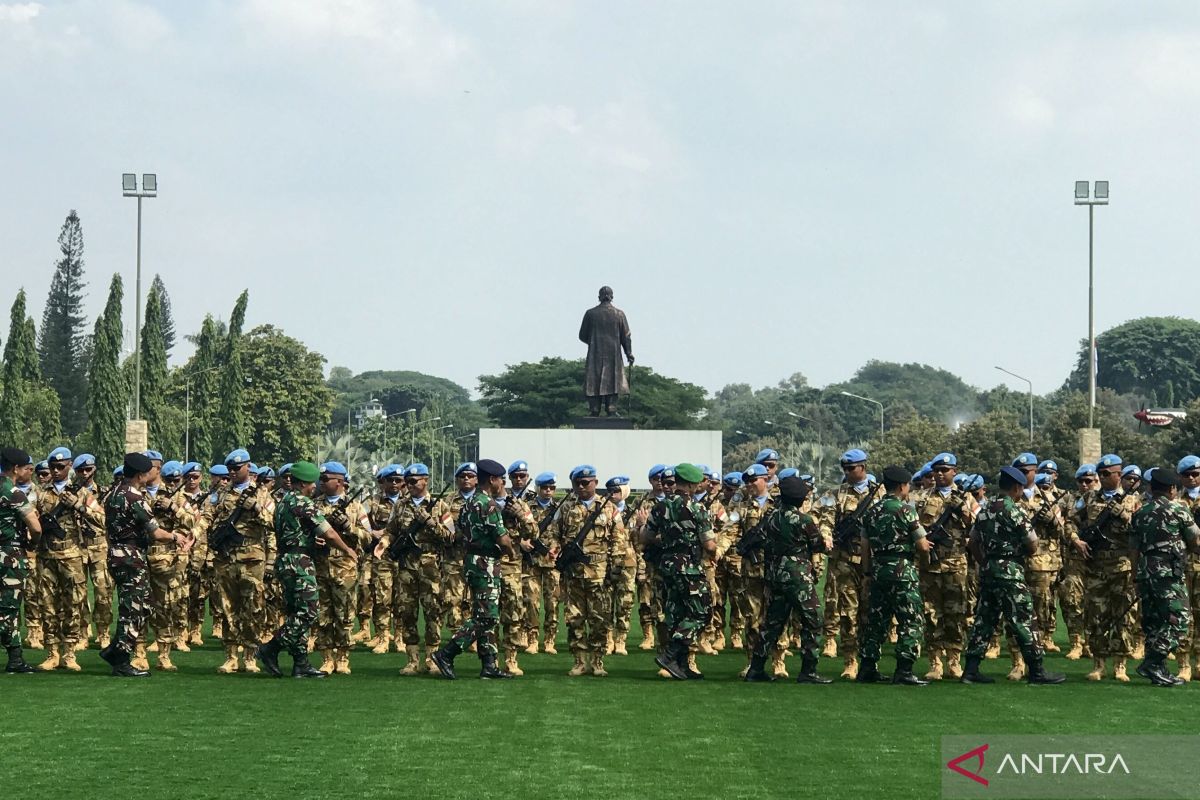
337, 573
453, 587
622, 576
540, 581
376, 574
522, 527
97, 614
1188, 470
17, 514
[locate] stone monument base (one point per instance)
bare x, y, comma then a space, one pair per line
603, 424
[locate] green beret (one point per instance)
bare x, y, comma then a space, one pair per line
689, 473
305, 472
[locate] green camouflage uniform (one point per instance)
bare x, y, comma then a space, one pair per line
683, 527
297, 521
1109, 593
1003, 530
1189, 643
1158, 533
13, 564
792, 538
481, 526
129, 523
891, 529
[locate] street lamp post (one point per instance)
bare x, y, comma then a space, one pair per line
129, 188
1023, 378
869, 400
412, 448
1084, 196
187, 412
442, 452
386, 417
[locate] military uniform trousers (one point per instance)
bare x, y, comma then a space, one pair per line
383, 605
944, 594
1188, 643
723, 600
687, 603
888, 599
336, 582
589, 609
1070, 595
272, 597
1109, 595
298, 585
128, 566
99, 611
542, 588
622, 588
1008, 601
240, 587
650, 610
168, 569
199, 582
365, 603
1166, 613
14, 567
791, 595
480, 626
454, 589
1041, 589
843, 586
63, 585
418, 592
512, 604
748, 590
33, 597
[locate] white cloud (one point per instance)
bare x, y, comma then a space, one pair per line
19, 13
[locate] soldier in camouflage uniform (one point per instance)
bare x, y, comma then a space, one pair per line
272, 592
710, 497
1000, 540
1160, 534
646, 578
218, 479
94, 551
300, 530
416, 536
131, 529
523, 529
337, 575
377, 576
1189, 495
33, 578
585, 582
1070, 581
199, 577
168, 566
844, 572
791, 539
62, 507
731, 497
17, 515
540, 581
947, 513
747, 587
1102, 517
892, 536
681, 535
481, 528
454, 588
238, 562
622, 576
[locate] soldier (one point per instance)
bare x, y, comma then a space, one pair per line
947, 513
33, 579
1102, 516
337, 574
61, 506
272, 593
791, 539
168, 566
770, 459
588, 532
481, 528
417, 533
540, 581
892, 536
523, 529
300, 529
238, 518
731, 485
923, 481
710, 497
95, 559
453, 586
17, 513
839, 516
622, 576
199, 576
1001, 536
1070, 581
218, 479
1189, 644
377, 576
131, 528
649, 605
748, 587
1160, 534
1131, 479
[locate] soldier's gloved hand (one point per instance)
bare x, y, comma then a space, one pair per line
250, 504
338, 520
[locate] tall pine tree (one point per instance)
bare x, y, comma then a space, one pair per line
29, 410
155, 404
234, 426
168, 320
108, 391
205, 382
60, 345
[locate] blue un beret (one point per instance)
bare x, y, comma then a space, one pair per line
218, 470
469, 466
192, 466
1188, 462
172, 469
755, 471
961, 479
416, 470
787, 472
119, 471
1041, 479
854, 456
285, 469
1025, 460
237, 458
265, 471
766, 454
545, 478
943, 460
617, 480
669, 472
389, 471
583, 471
153, 455
1132, 469
1049, 465
83, 460
656, 470
973, 483
1085, 469
1110, 460
59, 454
42, 466
334, 468
518, 466
732, 479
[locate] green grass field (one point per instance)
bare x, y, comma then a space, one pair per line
374, 734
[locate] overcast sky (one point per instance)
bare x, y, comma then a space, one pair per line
768, 187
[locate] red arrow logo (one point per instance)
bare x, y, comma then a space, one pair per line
975, 775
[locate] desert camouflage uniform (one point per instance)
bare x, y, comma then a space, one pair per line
239, 570
541, 586
419, 573
455, 603
199, 576
719, 518
747, 588
377, 576
585, 586
520, 525
129, 523
646, 578
683, 528
337, 576
14, 564
843, 574
1042, 568
792, 539
63, 583
1109, 593
944, 584
168, 567
1159, 533
1070, 580
33, 582
1003, 530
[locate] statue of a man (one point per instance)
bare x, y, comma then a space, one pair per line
606, 333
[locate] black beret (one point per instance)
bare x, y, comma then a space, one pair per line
896, 475
490, 469
13, 457
1164, 479
137, 463
1012, 475
793, 490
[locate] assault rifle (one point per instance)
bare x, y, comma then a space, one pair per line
1093, 535
849, 528
753, 540
539, 547
937, 534
406, 542
573, 553
50, 525
225, 538
337, 517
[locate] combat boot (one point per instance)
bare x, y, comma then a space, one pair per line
510, 662
1076, 648
1097, 673
830, 648
381, 646
363, 635
619, 647
196, 639
164, 658
16, 661
850, 668
248, 662
808, 671
301, 668
972, 674
756, 673
1018, 667
33, 639
125, 669
139, 662
778, 665
669, 660
413, 667
953, 665
231, 660
690, 669
1185, 667
52, 660
608, 644
1050, 646
647, 639
532, 647
443, 659
548, 646
719, 641
598, 669
1036, 672
993, 651
328, 661
105, 640
904, 674
704, 645
735, 640
580, 667
489, 670
868, 672
218, 630
935, 666
81, 645
341, 661
1119, 669
268, 654
1139, 650
153, 648
181, 645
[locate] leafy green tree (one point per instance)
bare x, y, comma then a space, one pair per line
167, 325
1060, 439
1154, 357
287, 402
60, 344
910, 443
1183, 437
108, 391
202, 402
21, 372
234, 428
157, 407
988, 443
930, 392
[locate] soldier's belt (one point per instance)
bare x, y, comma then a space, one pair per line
299, 551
